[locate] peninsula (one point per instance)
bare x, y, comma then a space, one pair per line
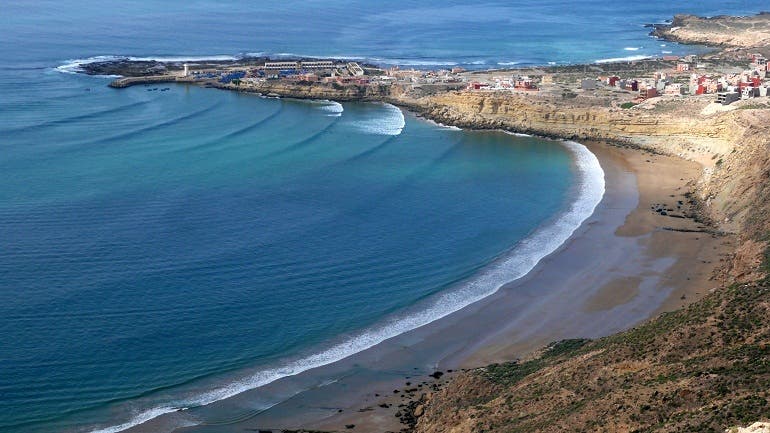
699, 366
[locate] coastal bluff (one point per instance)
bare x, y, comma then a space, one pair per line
702, 368
699, 369
723, 31
671, 128
301, 90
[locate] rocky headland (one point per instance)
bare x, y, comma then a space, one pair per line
722, 31
703, 368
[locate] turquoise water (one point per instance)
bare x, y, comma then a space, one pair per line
153, 243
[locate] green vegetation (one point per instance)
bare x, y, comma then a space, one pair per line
510, 373
703, 368
565, 347
627, 105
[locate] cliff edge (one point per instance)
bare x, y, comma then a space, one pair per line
724, 31
704, 368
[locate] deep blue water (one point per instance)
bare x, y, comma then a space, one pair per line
150, 239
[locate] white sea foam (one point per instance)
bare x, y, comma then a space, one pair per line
332, 108
392, 123
138, 419
520, 261
623, 59
381, 60
662, 45
517, 263
666, 52
508, 63
450, 127
184, 58
442, 126
73, 66
412, 62
517, 134
307, 56
631, 48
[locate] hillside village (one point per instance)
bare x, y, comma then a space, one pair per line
627, 83
687, 76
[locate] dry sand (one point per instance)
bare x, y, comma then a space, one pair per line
621, 267
689, 263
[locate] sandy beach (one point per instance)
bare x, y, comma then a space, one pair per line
625, 264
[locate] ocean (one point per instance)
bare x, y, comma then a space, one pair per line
168, 249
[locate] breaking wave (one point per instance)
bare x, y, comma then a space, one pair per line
517, 134
392, 123
140, 418
623, 59
332, 108
74, 66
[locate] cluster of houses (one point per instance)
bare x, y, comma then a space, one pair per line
294, 70
750, 83
327, 71
415, 76
729, 88
513, 82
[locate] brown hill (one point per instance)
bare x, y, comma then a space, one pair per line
700, 369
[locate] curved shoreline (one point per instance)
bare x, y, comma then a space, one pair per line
324, 358
443, 116
520, 260
430, 113
443, 344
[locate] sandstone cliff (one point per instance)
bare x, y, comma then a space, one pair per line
703, 368
700, 369
680, 131
306, 90
731, 145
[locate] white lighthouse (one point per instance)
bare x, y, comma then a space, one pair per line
186, 70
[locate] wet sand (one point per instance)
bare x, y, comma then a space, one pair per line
644, 267
621, 267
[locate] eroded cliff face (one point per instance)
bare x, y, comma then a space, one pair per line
299, 90
731, 145
679, 133
737, 190
703, 368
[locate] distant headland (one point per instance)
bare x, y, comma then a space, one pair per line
693, 130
